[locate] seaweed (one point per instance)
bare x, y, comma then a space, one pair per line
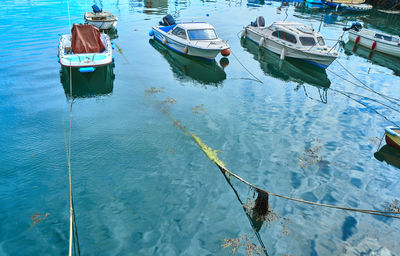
244, 240
211, 153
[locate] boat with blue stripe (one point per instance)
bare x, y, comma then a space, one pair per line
198, 39
291, 40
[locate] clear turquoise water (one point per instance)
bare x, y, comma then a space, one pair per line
141, 186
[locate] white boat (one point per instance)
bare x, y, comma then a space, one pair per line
197, 39
86, 48
351, 6
100, 19
374, 40
292, 40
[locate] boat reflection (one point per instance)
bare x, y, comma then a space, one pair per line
389, 155
375, 57
186, 68
112, 33
84, 85
288, 69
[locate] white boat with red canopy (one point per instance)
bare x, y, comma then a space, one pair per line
86, 48
197, 39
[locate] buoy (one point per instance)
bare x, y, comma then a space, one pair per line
151, 33
283, 53
357, 39
373, 45
164, 41
243, 34
226, 52
261, 43
186, 50
224, 62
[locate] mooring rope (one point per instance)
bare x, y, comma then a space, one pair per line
212, 156
364, 85
257, 234
248, 71
73, 230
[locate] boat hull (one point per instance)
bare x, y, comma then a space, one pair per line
322, 61
392, 137
208, 54
103, 25
368, 42
84, 59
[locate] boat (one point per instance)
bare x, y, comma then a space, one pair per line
349, 6
197, 39
85, 48
186, 68
101, 20
392, 136
374, 40
291, 40
86, 85
289, 70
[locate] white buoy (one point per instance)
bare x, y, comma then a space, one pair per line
283, 53
186, 50
164, 41
261, 43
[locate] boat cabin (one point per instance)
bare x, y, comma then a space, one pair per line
192, 31
297, 34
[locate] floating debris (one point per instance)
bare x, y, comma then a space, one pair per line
198, 108
243, 240
260, 210
311, 156
37, 217
394, 206
154, 90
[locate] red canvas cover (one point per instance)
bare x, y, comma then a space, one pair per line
86, 39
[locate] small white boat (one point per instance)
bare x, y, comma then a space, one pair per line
351, 6
197, 39
374, 40
293, 40
100, 19
86, 48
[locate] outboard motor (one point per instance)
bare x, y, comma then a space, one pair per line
96, 9
168, 21
356, 26
259, 22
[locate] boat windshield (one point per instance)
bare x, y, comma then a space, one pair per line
387, 38
307, 41
320, 41
202, 34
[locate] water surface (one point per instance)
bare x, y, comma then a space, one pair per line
143, 187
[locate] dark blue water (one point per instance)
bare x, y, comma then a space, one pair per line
143, 187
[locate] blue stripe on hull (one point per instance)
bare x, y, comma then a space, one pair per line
174, 49
308, 61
